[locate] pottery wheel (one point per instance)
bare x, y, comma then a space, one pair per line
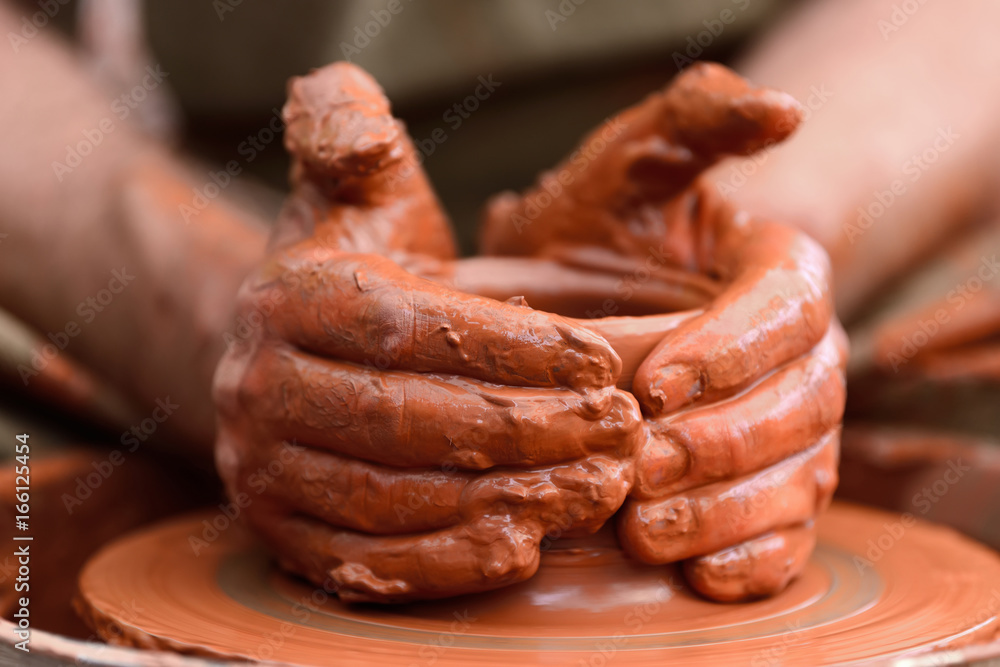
875, 588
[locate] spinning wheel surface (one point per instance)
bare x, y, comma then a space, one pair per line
875, 588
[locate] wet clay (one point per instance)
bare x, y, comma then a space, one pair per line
932, 594
408, 425
70, 508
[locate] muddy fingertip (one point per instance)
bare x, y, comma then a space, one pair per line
589, 361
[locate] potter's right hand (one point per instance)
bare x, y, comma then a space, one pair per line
395, 436
744, 398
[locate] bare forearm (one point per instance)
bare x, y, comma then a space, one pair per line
899, 143
97, 248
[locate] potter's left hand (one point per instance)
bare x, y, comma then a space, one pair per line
743, 401
390, 437
743, 404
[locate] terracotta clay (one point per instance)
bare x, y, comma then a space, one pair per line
427, 424
931, 597
69, 508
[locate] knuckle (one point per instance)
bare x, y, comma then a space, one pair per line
389, 320
251, 383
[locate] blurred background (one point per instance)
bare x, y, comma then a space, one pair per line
559, 68
899, 94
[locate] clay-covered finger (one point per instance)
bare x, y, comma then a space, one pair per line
714, 111
760, 567
382, 500
492, 552
568, 500
777, 307
407, 419
719, 515
504, 518
633, 338
351, 493
778, 417
357, 180
338, 122
367, 310
641, 157
632, 316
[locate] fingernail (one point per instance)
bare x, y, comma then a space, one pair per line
662, 463
671, 519
675, 386
595, 362
596, 403
518, 301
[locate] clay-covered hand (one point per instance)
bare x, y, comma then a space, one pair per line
743, 400
385, 432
